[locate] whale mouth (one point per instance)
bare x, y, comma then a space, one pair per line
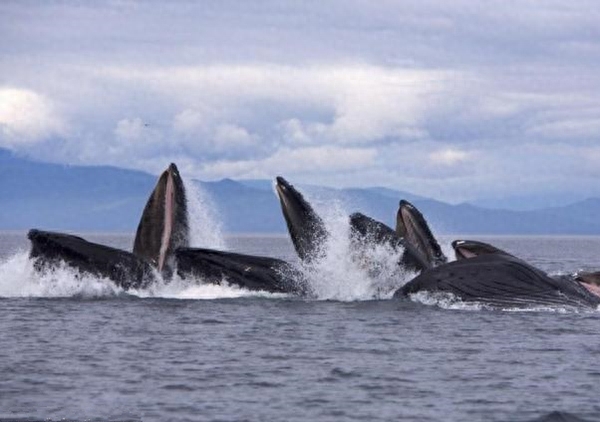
411, 225
466, 249
163, 226
168, 216
462, 252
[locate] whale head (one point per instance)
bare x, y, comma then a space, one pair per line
413, 228
163, 226
306, 228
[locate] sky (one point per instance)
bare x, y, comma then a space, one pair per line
457, 100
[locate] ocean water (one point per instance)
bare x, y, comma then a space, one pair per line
79, 349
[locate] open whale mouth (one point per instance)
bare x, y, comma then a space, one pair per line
465, 249
168, 218
411, 225
163, 226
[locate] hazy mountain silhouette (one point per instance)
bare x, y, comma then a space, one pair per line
104, 198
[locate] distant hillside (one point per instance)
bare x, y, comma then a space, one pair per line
59, 197
53, 196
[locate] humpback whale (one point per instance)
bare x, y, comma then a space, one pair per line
466, 249
366, 231
248, 271
308, 233
412, 226
306, 228
163, 227
161, 245
49, 249
499, 280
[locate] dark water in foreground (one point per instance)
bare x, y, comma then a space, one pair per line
78, 352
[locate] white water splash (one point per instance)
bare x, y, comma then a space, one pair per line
449, 301
205, 226
343, 273
19, 278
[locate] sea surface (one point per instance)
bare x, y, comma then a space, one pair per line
75, 348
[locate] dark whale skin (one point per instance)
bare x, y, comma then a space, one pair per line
126, 270
247, 271
500, 281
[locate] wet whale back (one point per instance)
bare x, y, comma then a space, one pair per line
500, 281
163, 226
248, 271
125, 269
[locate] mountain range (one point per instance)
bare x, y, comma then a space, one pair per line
103, 198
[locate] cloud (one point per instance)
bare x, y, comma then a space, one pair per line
130, 130
288, 161
449, 157
231, 136
449, 99
189, 122
27, 117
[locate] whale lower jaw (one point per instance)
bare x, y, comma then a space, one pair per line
126, 270
163, 226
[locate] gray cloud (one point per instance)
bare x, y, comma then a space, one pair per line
451, 99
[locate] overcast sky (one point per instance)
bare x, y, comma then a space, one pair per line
453, 99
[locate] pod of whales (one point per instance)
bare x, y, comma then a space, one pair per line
161, 246
481, 273
309, 234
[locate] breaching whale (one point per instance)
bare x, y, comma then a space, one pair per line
162, 228
308, 232
499, 280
